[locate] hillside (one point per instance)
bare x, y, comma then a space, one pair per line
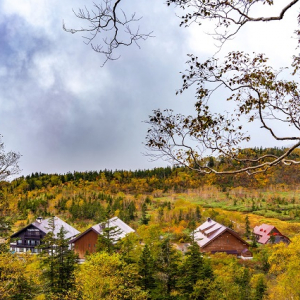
163, 205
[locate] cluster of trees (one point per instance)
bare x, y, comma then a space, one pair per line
178, 179
154, 269
126, 270
85, 202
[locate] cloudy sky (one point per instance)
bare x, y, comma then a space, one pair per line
63, 112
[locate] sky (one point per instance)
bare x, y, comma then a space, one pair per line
62, 111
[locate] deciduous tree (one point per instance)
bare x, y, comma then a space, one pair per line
258, 90
8, 162
112, 279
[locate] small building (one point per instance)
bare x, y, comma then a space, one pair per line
28, 238
269, 234
86, 242
214, 237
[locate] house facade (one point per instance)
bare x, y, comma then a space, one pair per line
86, 242
214, 237
269, 234
30, 237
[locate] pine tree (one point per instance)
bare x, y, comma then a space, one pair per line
193, 269
167, 267
260, 288
128, 248
144, 219
243, 280
59, 262
254, 241
107, 240
198, 214
146, 270
247, 227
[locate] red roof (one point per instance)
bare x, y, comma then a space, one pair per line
264, 231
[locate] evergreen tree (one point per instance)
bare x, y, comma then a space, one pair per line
243, 280
107, 240
128, 246
144, 219
247, 227
254, 241
264, 258
59, 262
160, 214
198, 214
193, 269
167, 267
260, 289
146, 270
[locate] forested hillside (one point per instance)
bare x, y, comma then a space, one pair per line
163, 205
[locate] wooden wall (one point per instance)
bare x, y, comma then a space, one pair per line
225, 242
86, 243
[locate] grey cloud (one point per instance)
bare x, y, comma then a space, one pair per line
64, 112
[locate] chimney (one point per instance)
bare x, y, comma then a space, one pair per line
208, 219
39, 219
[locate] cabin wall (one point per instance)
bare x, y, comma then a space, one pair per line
26, 240
86, 243
225, 242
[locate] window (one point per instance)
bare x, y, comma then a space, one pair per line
19, 242
32, 242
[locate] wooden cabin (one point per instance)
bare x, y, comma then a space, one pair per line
269, 234
31, 236
214, 237
86, 242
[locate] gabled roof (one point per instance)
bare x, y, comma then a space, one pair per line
265, 232
210, 230
263, 229
43, 225
113, 222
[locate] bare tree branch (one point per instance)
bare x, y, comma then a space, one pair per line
258, 93
226, 13
8, 162
113, 26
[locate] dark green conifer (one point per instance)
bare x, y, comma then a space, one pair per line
107, 240
144, 219
247, 227
146, 270
59, 262
167, 267
260, 289
193, 268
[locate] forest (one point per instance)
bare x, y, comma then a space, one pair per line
164, 206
